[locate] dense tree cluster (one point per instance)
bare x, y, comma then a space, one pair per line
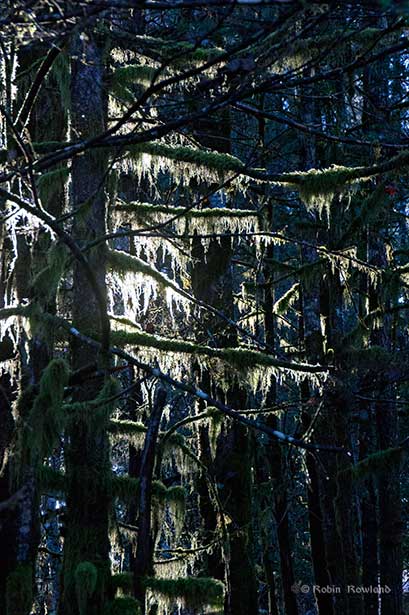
204, 283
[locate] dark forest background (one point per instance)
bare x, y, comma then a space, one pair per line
204, 293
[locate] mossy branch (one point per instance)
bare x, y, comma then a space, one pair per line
377, 463
142, 209
194, 593
239, 358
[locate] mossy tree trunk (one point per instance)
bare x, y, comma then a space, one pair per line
231, 467
277, 466
311, 342
212, 282
87, 458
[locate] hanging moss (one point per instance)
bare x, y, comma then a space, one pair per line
123, 605
177, 493
192, 592
46, 420
19, 590
122, 581
47, 280
240, 358
125, 487
142, 209
126, 428
215, 423
52, 183
60, 72
97, 412
131, 74
317, 188
214, 161
283, 304
122, 262
51, 481
86, 576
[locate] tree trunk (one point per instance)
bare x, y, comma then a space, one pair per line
144, 552
87, 460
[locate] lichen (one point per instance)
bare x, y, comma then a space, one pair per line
141, 282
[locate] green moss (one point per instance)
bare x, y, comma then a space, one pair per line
126, 428
60, 73
177, 493
125, 487
143, 209
14, 311
285, 302
123, 605
52, 183
239, 358
51, 481
47, 280
86, 576
193, 592
214, 161
122, 581
131, 74
122, 262
19, 591
46, 420
377, 463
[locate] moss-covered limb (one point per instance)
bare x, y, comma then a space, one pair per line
192, 592
283, 304
126, 487
181, 552
126, 428
142, 209
197, 393
122, 262
123, 605
215, 161
327, 181
172, 51
18, 310
377, 463
209, 413
239, 358
122, 581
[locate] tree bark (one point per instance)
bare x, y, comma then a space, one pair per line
144, 552
87, 460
